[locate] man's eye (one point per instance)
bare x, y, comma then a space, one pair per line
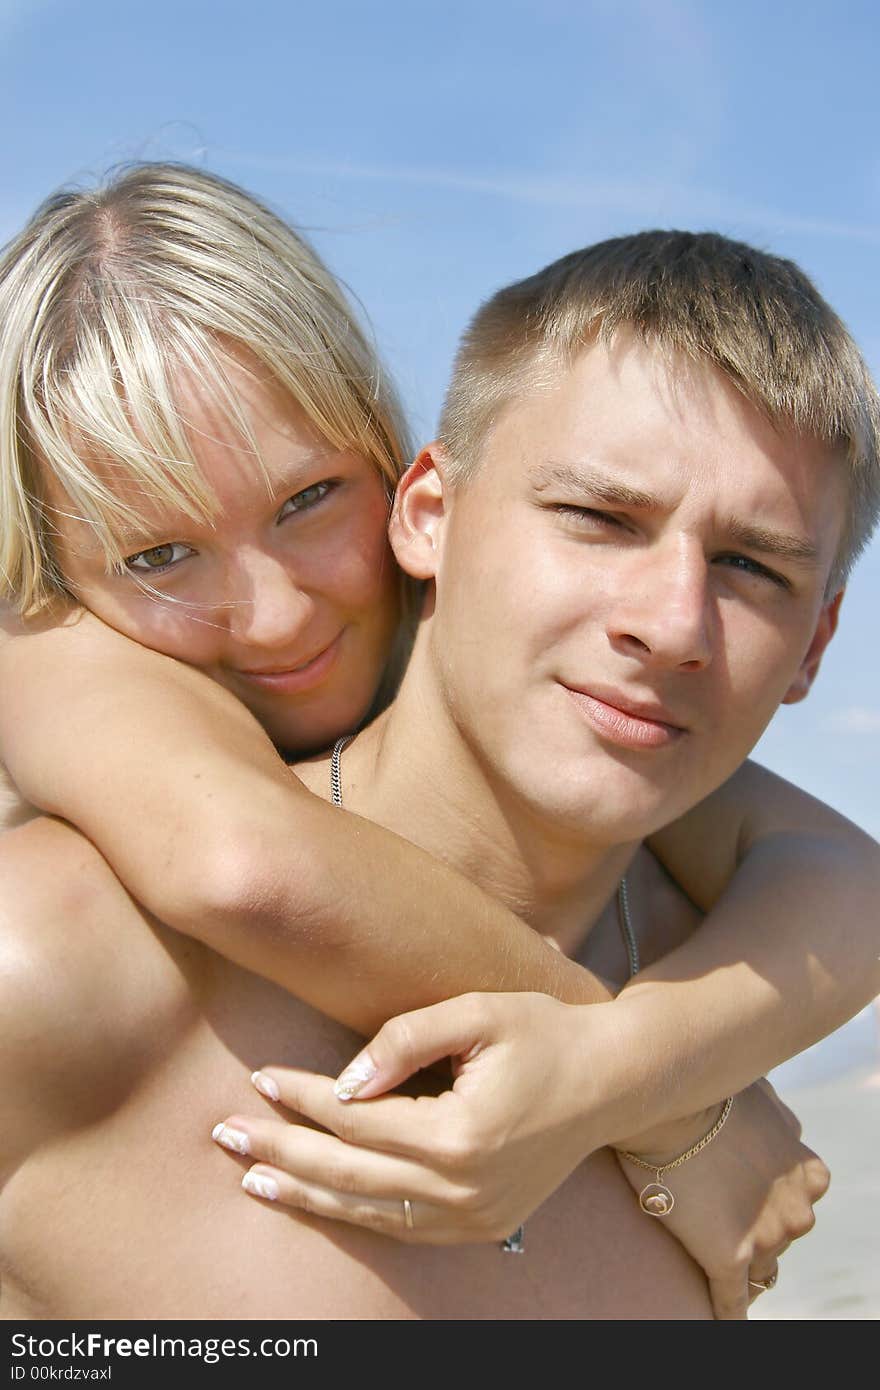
746, 565
158, 558
308, 498
588, 517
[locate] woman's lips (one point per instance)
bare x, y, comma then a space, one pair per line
622, 727
298, 678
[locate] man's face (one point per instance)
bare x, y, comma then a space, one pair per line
628, 587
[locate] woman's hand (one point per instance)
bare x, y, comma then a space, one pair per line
528, 1103
474, 1161
742, 1200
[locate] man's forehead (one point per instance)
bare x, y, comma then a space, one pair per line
629, 367
619, 407
772, 493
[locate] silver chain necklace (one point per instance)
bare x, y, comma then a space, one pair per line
515, 1242
335, 774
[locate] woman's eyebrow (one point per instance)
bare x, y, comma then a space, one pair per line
288, 473
286, 479
132, 539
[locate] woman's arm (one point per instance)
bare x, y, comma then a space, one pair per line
185, 796
790, 948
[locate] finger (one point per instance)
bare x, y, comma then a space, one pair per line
414, 1126
730, 1297
309, 1156
762, 1279
818, 1177
406, 1044
383, 1217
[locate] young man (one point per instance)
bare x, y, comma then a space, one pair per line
501, 746
658, 581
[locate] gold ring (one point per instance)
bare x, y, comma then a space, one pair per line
407, 1214
765, 1285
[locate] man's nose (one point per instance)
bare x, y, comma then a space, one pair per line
665, 613
266, 606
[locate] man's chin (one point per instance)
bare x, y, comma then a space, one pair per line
609, 802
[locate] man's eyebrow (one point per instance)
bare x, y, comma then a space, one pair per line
778, 544
585, 478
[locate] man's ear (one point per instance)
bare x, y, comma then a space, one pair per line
825, 630
419, 512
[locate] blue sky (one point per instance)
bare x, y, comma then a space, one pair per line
434, 152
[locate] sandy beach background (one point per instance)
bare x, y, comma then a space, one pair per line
834, 1088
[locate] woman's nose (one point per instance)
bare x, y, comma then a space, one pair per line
266, 606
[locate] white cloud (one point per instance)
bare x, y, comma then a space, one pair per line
857, 719
639, 197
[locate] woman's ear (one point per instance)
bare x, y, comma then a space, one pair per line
418, 514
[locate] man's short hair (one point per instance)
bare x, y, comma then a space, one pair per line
755, 317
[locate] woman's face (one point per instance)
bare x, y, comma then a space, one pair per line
289, 598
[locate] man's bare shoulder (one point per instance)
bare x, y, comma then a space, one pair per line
46, 869
85, 981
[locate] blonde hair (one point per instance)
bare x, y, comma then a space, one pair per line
757, 318
110, 295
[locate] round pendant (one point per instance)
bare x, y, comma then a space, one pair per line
656, 1199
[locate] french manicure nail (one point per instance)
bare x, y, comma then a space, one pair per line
355, 1077
234, 1139
265, 1085
260, 1185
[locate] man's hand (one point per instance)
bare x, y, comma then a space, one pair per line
743, 1199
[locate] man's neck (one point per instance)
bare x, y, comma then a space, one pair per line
414, 772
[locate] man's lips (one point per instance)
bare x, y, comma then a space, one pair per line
301, 676
628, 723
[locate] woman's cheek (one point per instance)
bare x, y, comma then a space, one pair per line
167, 628
360, 570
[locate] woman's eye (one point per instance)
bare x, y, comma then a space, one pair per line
158, 558
308, 498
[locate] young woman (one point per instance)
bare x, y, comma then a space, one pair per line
198, 451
